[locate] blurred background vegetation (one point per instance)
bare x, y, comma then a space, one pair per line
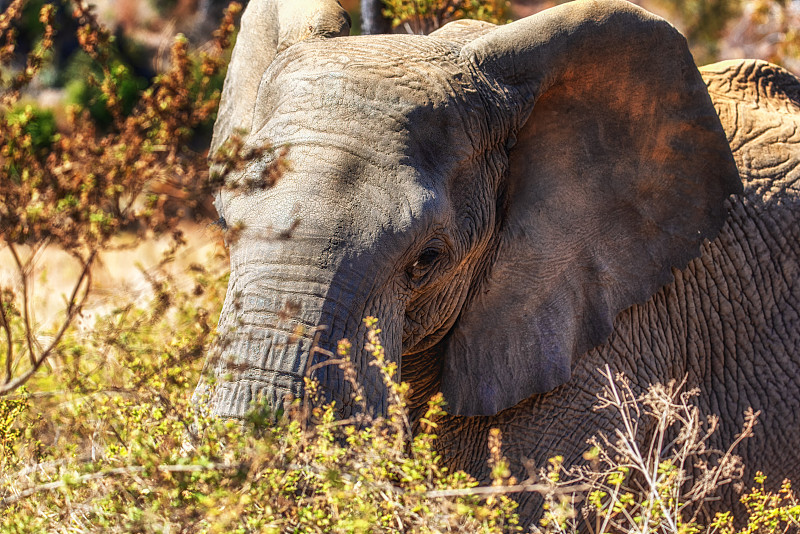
112, 272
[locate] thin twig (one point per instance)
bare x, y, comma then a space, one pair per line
462, 492
25, 302
502, 490
9, 338
129, 470
72, 310
43, 466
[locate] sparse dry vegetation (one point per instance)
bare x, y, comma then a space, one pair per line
77, 187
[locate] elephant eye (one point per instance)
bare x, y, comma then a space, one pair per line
427, 259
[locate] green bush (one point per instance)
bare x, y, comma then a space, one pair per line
84, 90
37, 125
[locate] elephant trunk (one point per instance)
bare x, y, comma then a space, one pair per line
275, 329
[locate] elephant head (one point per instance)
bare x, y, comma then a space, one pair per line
495, 196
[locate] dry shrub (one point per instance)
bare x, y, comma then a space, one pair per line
78, 186
655, 473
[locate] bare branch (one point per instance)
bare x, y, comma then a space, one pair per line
128, 470
74, 305
504, 490
23, 273
9, 338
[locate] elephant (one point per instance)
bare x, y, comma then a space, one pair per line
518, 206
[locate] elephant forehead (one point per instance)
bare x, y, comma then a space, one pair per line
385, 92
414, 65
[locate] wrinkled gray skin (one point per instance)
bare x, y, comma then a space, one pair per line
519, 206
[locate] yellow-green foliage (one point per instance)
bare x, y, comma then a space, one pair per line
10, 431
768, 511
124, 450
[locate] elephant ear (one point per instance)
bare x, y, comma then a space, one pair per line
618, 170
268, 27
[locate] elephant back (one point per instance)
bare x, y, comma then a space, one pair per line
759, 107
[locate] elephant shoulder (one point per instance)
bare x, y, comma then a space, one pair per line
758, 104
759, 83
